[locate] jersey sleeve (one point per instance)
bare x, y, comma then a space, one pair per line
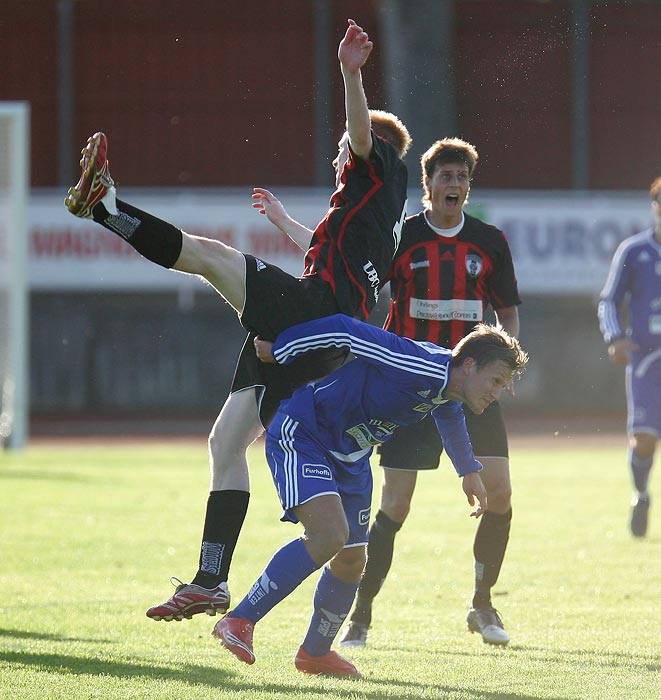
380, 158
364, 340
504, 290
383, 154
612, 295
451, 424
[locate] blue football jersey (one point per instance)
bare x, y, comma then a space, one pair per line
635, 276
392, 381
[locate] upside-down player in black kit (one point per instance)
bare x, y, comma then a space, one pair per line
348, 261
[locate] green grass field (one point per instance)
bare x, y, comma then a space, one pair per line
90, 535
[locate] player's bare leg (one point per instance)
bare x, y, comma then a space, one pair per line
221, 265
235, 429
94, 197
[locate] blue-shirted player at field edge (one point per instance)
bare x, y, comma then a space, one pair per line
318, 448
634, 281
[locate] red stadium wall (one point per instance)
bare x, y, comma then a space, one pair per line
219, 99
221, 94
625, 72
27, 55
513, 67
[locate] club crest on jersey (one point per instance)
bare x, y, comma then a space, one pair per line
373, 434
473, 265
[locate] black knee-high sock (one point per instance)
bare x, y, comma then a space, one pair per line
153, 238
641, 468
226, 511
380, 548
489, 550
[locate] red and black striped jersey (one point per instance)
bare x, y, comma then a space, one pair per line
352, 248
440, 287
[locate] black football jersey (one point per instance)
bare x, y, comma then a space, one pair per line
352, 248
440, 287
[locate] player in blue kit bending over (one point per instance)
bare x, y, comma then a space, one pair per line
318, 447
635, 280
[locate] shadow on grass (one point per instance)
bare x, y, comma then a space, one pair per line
81, 665
608, 659
231, 680
22, 634
578, 657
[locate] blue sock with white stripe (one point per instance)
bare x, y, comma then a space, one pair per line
332, 601
288, 568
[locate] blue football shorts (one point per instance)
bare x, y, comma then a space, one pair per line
303, 469
644, 393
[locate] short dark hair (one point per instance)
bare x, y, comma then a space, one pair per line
390, 128
486, 344
452, 150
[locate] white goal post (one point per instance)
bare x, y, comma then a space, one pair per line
14, 353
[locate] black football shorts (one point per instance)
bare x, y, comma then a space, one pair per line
275, 300
418, 446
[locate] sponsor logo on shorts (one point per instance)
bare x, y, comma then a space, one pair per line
317, 471
364, 516
260, 264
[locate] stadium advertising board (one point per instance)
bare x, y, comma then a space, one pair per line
561, 243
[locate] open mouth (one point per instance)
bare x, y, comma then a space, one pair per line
452, 200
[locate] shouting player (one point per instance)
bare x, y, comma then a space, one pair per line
448, 269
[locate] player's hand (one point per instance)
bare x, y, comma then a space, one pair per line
474, 490
354, 48
267, 203
264, 349
618, 350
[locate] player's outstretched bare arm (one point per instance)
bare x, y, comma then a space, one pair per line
353, 52
268, 204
